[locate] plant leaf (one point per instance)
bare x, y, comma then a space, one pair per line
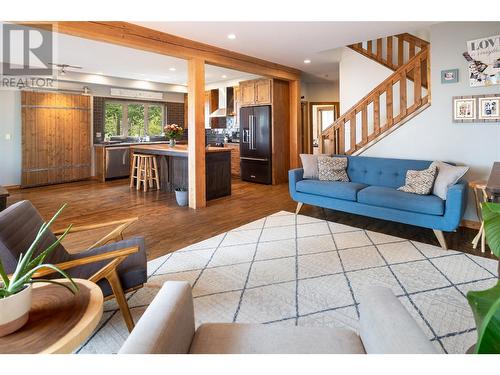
485, 306
53, 282
3, 275
41, 257
27, 277
21, 268
491, 217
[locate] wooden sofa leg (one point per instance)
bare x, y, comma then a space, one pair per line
440, 237
299, 206
116, 286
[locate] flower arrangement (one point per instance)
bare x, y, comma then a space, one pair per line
173, 131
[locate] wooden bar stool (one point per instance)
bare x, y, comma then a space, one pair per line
145, 171
480, 195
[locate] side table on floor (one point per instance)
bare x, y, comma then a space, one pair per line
59, 321
480, 195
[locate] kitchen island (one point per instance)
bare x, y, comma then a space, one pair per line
173, 165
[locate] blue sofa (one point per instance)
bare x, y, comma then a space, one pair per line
372, 191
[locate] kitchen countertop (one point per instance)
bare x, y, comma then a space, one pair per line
129, 144
178, 150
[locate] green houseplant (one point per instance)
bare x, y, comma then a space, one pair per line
15, 290
485, 304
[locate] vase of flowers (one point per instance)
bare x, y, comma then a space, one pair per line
16, 289
173, 132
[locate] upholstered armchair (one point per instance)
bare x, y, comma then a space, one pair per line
117, 265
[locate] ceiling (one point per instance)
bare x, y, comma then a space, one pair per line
98, 58
289, 43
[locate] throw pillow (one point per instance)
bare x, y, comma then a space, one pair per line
332, 169
310, 166
419, 182
447, 175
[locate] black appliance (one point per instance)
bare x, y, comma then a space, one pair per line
255, 144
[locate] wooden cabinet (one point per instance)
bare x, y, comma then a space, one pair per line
263, 91
55, 138
235, 158
247, 92
256, 92
211, 105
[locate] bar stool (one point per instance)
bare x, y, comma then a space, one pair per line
480, 195
145, 171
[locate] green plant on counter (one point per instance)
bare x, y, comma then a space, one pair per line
485, 304
28, 265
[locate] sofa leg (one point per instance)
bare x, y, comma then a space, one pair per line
299, 206
440, 237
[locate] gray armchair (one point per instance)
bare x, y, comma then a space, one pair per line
168, 327
115, 264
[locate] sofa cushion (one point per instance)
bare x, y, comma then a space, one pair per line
332, 189
332, 169
419, 182
226, 338
391, 198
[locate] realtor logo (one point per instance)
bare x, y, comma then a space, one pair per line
26, 50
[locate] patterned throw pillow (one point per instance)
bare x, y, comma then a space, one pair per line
332, 169
419, 182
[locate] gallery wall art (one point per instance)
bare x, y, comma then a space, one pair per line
483, 56
476, 108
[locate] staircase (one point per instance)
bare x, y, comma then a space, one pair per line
400, 97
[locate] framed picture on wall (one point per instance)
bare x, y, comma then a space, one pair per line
489, 108
464, 109
449, 76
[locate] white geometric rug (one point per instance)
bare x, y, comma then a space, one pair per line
297, 270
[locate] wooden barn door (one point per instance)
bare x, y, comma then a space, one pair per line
55, 138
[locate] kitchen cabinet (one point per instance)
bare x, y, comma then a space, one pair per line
211, 105
263, 91
55, 138
235, 158
256, 92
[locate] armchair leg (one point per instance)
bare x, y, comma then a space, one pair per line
116, 286
299, 206
440, 237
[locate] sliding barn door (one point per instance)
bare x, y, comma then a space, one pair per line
55, 138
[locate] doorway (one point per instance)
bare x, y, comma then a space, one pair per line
322, 115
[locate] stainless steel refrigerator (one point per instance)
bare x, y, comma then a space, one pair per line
255, 144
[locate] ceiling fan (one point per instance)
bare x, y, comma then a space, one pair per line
62, 67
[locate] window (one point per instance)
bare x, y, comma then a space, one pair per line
133, 119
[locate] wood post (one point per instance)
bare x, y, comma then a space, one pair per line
196, 133
295, 126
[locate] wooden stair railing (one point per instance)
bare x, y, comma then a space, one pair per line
392, 51
384, 109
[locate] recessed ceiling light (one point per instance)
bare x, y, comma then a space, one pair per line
172, 69
231, 36
307, 61
224, 76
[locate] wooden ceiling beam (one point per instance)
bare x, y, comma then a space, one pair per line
139, 37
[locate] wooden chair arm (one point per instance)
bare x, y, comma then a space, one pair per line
121, 253
83, 228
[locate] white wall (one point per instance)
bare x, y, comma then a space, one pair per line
432, 135
10, 150
320, 92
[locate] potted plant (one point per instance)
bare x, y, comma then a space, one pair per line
173, 132
15, 290
181, 195
485, 304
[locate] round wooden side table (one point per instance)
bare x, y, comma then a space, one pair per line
480, 195
59, 321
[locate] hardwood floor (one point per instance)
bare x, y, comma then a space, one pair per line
168, 227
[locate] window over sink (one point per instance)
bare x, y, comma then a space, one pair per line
133, 119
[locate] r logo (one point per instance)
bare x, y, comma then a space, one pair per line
26, 50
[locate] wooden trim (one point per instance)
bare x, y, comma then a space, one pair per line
12, 187
139, 37
196, 133
470, 224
